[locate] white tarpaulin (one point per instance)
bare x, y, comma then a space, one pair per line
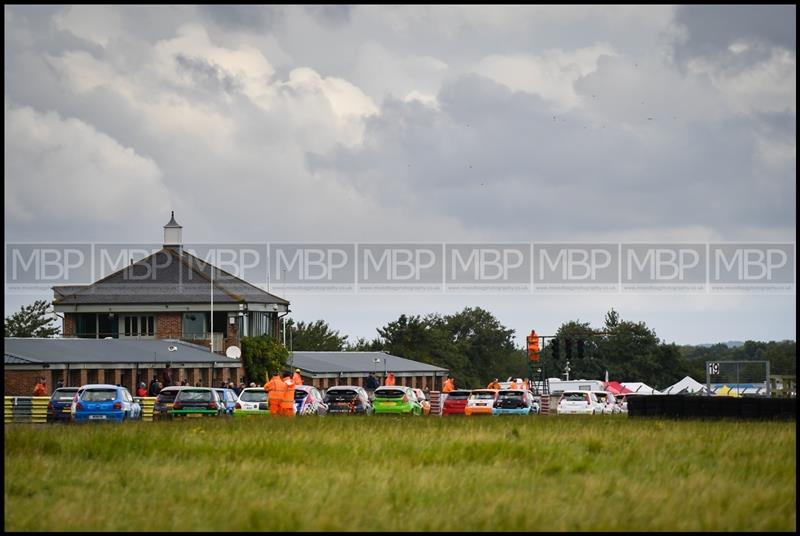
688, 385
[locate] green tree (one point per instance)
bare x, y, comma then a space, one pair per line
261, 356
314, 337
31, 321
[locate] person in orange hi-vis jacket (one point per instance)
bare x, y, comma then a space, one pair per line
41, 388
526, 384
494, 384
449, 385
287, 405
513, 384
297, 379
275, 389
390, 379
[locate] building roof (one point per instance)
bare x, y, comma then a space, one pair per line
170, 275
358, 362
25, 351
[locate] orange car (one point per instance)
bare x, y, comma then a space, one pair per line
426, 406
481, 402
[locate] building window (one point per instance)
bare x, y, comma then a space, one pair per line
86, 325
139, 326
194, 324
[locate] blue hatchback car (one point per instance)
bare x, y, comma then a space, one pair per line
228, 398
59, 407
103, 402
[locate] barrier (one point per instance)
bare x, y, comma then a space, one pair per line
711, 407
27, 409
435, 398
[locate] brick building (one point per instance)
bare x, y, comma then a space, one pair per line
79, 361
326, 369
168, 295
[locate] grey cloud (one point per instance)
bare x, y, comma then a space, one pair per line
330, 13
244, 17
713, 28
211, 77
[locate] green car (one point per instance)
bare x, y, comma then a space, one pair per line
197, 402
396, 400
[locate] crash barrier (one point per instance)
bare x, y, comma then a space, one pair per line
435, 398
711, 407
147, 406
31, 409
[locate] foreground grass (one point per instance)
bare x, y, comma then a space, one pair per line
401, 474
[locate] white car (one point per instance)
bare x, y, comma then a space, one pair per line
608, 401
578, 403
622, 402
252, 400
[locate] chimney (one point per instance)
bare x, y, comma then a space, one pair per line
172, 233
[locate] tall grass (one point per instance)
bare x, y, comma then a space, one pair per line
402, 474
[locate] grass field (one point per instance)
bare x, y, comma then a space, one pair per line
551, 473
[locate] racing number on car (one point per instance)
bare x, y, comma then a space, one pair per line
713, 368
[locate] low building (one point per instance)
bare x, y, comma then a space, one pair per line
326, 369
116, 361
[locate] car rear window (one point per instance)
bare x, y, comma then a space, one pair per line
253, 396
575, 397
601, 397
168, 395
64, 394
299, 394
341, 394
99, 395
458, 395
512, 394
390, 393
187, 395
483, 395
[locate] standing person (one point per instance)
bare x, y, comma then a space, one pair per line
40, 389
153, 391
59, 383
513, 384
275, 389
166, 376
297, 379
390, 379
494, 384
287, 406
141, 391
449, 384
372, 382
526, 384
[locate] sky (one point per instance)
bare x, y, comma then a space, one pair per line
488, 124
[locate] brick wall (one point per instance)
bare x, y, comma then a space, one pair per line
68, 325
22, 382
168, 326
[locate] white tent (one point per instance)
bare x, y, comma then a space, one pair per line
640, 388
688, 385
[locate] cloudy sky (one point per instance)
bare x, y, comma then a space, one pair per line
417, 123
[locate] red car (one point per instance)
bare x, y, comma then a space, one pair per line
455, 402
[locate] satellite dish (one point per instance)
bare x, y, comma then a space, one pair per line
172, 348
233, 352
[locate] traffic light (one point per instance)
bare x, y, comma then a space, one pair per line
533, 346
581, 345
556, 349
568, 343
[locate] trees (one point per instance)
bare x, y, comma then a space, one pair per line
31, 321
315, 337
629, 351
263, 355
471, 344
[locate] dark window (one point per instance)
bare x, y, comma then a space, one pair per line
458, 395
86, 325
99, 395
389, 393
253, 396
187, 395
64, 394
483, 396
168, 395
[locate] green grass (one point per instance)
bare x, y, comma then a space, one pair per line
401, 474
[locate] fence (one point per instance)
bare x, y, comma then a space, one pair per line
711, 407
